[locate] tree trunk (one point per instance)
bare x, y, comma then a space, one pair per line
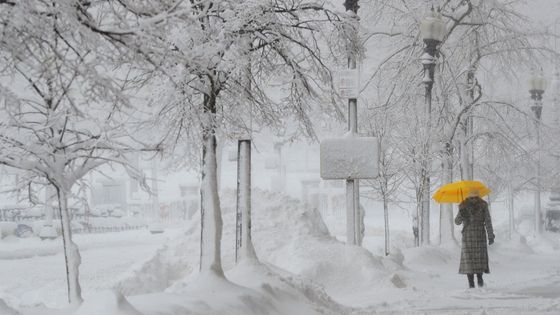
511, 217
416, 221
155, 192
219, 158
71, 252
49, 211
425, 209
386, 218
211, 216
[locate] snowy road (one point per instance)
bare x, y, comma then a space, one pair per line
40, 278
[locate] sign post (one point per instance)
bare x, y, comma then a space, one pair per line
350, 158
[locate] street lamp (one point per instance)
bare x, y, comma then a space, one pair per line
537, 85
432, 30
351, 5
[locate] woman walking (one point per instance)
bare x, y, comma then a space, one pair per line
475, 217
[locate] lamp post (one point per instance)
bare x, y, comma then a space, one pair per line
537, 85
432, 30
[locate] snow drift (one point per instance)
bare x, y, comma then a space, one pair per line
307, 263
6, 310
107, 302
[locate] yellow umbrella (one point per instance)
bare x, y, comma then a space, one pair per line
458, 191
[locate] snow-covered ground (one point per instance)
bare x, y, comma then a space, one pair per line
305, 271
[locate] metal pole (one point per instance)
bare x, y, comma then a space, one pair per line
470, 146
536, 96
510, 210
244, 246
352, 185
471, 80
538, 228
244, 199
429, 63
350, 214
467, 149
386, 219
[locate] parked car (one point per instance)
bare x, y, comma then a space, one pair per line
48, 232
156, 228
552, 220
24, 230
107, 210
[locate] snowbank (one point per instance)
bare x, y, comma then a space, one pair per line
295, 238
173, 261
294, 294
6, 310
7, 228
106, 303
544, 243
287, 235
206, 294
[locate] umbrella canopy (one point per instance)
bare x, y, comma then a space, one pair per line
458, 191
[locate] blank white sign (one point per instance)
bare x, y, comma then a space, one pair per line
351, 157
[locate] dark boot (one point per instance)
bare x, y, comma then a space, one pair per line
470, 276
479, 280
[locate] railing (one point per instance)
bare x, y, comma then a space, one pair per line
109, 229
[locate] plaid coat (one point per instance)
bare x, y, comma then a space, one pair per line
475, 217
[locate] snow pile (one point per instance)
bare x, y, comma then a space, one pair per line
106, 303
517, 244
172, 262
256, 289
203, 294
295, 238
6, 310
7, 228
428, 256
543, 243
294, 294
286, 234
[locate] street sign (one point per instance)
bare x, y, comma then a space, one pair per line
349, 83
